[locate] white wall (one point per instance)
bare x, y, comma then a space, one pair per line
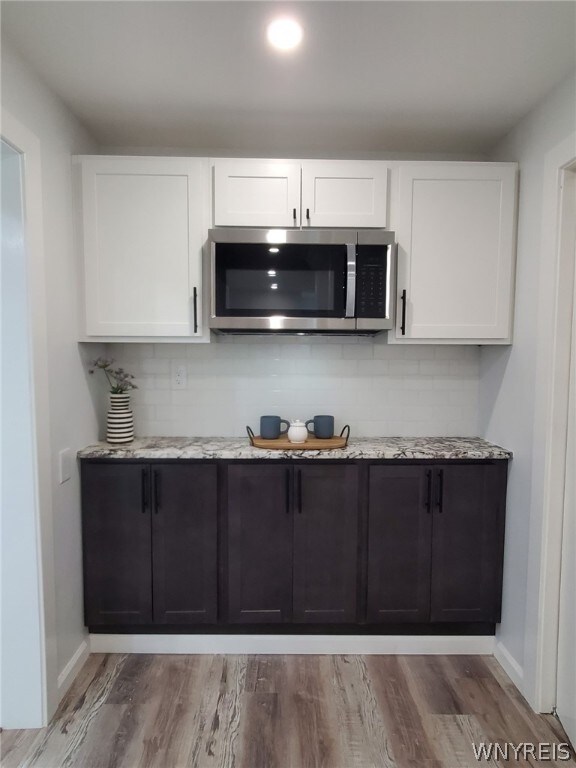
72, 413
511, 403
378, 389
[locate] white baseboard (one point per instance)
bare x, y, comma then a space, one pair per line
509, 664
292, 644
66, 677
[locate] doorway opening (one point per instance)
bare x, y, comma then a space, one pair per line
29, 680
565, 706
22, 630
555, 669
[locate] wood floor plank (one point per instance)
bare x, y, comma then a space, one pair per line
540, 726
430, 685
60, 741
122, 717
179, 711
217, 740
503, 717
408, 741
16, 744
161, 719
466, 666
452, 738
363, 736
309, 714
262, 734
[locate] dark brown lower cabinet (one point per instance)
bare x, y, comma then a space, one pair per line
467, 542
259, 511
184, 536
292, 543
399, 551
149, 542
117, 543
435, 542
301, 542
325, 544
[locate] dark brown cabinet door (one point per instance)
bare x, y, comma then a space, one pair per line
399, 532
325, 543
467, 542
117, 543
259, 500
184, 557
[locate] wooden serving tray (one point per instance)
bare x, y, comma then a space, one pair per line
311, 443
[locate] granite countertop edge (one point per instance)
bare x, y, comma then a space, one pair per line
229, 448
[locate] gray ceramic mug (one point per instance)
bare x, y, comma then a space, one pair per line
322, 427
270, 427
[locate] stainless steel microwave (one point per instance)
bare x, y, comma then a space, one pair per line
301, 281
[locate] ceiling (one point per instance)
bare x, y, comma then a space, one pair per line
369, 77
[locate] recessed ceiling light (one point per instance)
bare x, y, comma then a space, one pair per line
273, 250
284, 33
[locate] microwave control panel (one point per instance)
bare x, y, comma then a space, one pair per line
371, 268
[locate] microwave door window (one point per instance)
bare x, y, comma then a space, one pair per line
283, 292
294, 281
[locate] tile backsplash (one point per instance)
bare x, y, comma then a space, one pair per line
378, 389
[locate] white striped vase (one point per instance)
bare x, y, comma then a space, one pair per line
120, 420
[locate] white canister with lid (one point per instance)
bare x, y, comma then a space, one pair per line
297, 433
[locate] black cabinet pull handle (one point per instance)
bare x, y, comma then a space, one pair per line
195, 301
308, 213
299, 486
287, 491
144, 490
403, 325
156, 491
440, 499
294, 214
429, 491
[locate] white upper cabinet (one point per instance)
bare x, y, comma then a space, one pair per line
311, 193
455, 228
254, 193
344, 193
143, 228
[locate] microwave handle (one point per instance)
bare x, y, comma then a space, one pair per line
350, 280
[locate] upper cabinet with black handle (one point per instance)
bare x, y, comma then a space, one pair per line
435, 544
294, 193
149, 542
143, 226
455, 226
292, 543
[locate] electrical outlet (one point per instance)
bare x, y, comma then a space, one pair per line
179, 377
65, 465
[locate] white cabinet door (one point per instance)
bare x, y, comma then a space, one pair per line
456, 245
143, 232
256, 193
344, 193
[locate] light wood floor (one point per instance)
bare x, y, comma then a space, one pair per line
282, 712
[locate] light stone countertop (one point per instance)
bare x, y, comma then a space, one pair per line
438, 448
